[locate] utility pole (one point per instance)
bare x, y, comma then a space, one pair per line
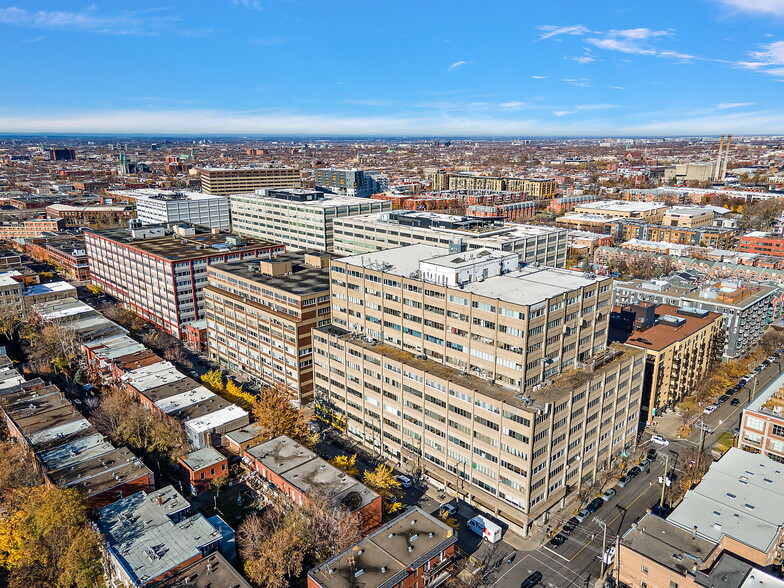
603, 555
664, 480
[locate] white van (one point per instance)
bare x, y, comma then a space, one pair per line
486, 528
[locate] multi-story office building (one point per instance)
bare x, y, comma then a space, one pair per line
300, 219
159, 271
224, 181
374, 232
351, 182
260, 317
762, 423
492, 380
159, 206
747, 309
535, 187
689, 216
680, 344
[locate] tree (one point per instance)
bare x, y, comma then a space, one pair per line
53, 346
19, 469
125, 422
761, 214
124, 317
213, 380
94, 289
275, 415
45, 539
346, 463
382, 480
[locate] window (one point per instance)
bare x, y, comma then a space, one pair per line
673, 584
644, 570
755, 423
778, 430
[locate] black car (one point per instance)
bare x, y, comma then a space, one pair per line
723, 398
558, 540
651, 455
532, 580
570, 526
595, 504
735, 402
634, 471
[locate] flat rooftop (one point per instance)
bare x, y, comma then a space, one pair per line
620, 206
98, 474
178, 247
328, 202
141, 532
305, 470
385, 555
203, 458
739, 496
304, 279
165, 195
663, 334
212, 571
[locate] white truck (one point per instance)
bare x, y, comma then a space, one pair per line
486, 528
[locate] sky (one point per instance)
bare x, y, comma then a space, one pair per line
394, 67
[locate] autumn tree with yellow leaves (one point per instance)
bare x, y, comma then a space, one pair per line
382, 480
45, 539
276, 415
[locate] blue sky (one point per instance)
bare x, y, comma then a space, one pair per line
394, 67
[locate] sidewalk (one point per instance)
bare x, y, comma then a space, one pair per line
667, 425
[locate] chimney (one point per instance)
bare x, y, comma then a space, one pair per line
726, 158
160, 500
717, 169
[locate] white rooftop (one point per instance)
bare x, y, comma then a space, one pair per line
215, 419
180, 401
156, 194
7, 278
49, 288
328, 202
621, 206
740, 497
153, 375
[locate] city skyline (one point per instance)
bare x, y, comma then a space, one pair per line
301, 68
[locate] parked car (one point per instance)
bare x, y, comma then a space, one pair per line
709, 409
651, 455
595, 504
660, 440
569, 527
644, 464
723, 398
573, 522
623, 481
405, 481
633, 472
609, 555
532, 580
743, 381
448, 508
608, 494
700, 426
558, 540
582, 515
735, 402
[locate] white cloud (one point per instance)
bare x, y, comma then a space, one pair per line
551, 31
583, 83
202, 122
638, 34
584, 59
127, 22
512, 105
539, 77
617, 88
728, 105
457, 65
757, 6
622, 45
594, 106
768, 59
248, 4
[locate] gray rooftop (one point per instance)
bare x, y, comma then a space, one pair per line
142, 534
385, 555
211, 572
303, 469
740, 497
203, 458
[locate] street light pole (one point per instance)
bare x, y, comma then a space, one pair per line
664, 480
603, 555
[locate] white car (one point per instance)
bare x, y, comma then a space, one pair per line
405, 481
448, 508
709, 409
609, 555
660, 440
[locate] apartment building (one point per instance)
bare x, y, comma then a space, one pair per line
34, 227
652, 212
260, 317
680, 344
537, 188
159, 271
351, 182
657, 553
490, 379
155, 207
762, 423
66, 250
223, 181
704, 236
762, 243
373, 232
78, 215
300, 219
413, 549
746, 308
